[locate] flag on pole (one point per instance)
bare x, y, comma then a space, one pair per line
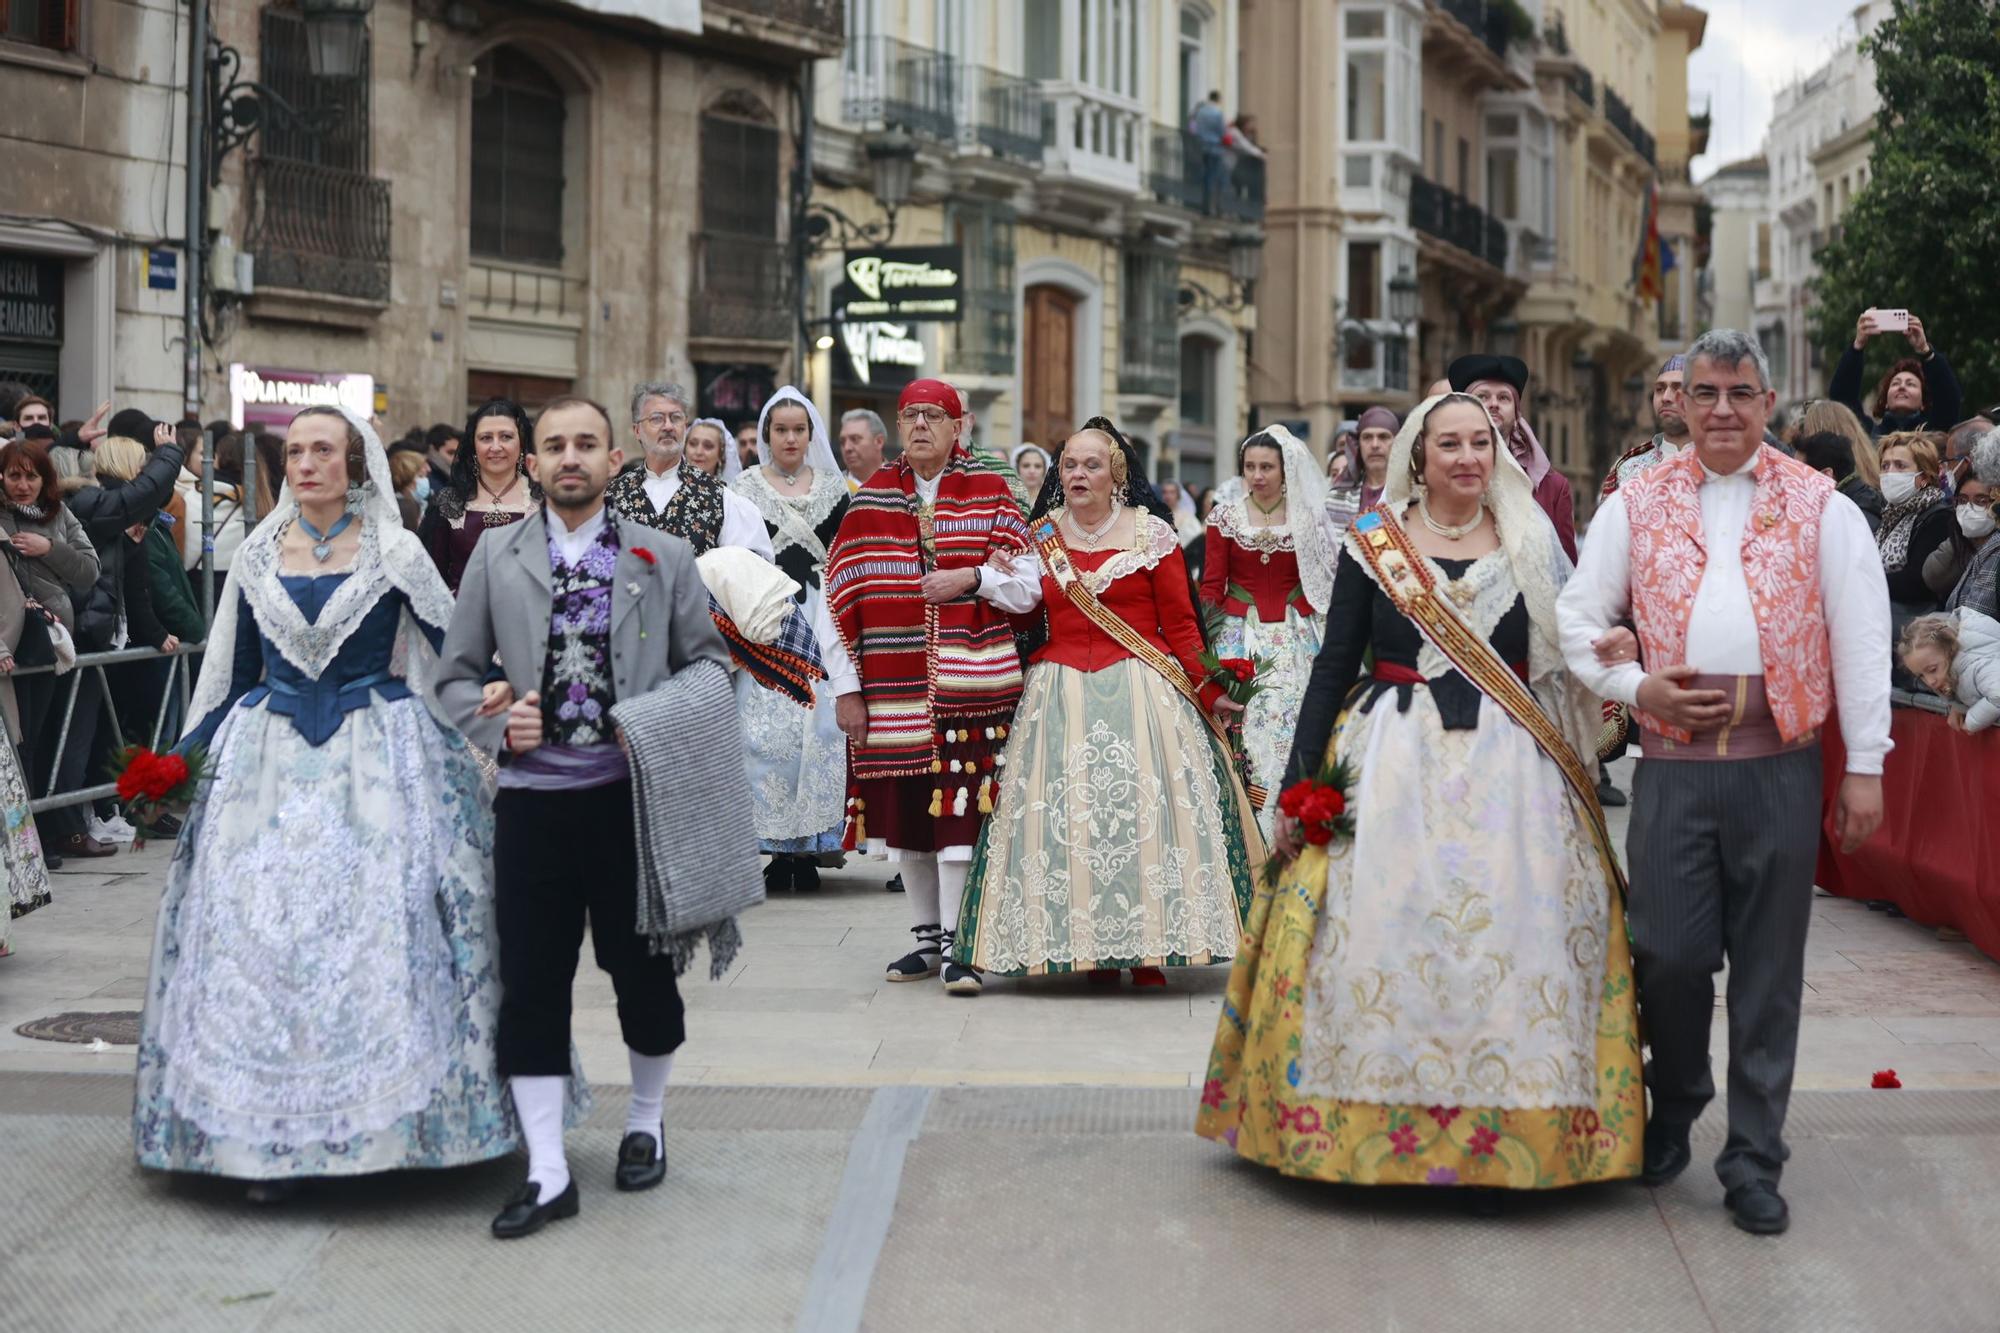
1647, 263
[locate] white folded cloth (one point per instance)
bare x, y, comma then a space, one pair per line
751, 591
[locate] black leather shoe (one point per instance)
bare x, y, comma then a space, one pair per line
1608, 795
1758, 1209
525, 1214
642, 1162
805, 875
777, 874
1667, 1154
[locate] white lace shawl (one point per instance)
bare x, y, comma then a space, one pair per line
796, 519
389, 557
1152, 542
1305, 502
1534, 556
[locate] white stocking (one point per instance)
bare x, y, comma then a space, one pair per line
649, 1092
538, 1101
951, 890
920, 886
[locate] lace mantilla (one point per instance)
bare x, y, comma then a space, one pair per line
797, 518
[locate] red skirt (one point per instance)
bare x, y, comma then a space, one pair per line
898, 812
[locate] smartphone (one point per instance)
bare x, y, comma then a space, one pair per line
1892, 321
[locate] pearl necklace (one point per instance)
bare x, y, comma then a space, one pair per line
1092, 536
1446, 530
789, 478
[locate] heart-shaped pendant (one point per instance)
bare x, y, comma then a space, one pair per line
322, 552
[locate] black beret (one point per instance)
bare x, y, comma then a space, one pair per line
132, 424
1469, 370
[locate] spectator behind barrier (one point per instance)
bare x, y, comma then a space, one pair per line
1916, 517
1978, 587
1823, 415
1957, 656
1972, 508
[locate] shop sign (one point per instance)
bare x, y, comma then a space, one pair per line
262, 396
880, 354
902, 284
31, 299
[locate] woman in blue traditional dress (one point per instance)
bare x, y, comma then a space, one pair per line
797, 756
324, 985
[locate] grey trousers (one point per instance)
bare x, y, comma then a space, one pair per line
1722, 857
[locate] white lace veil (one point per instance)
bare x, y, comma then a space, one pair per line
1535, 556
1305, 504
819, 453
732, 462
389, 557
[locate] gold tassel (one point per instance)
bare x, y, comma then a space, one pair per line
986, 796
937, 801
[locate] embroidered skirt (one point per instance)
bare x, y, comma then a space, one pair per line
1117, 840
20, 846
1445, 999
1288, 647
797, 761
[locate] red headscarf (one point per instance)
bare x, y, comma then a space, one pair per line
935, 392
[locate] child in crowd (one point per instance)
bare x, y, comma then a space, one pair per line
1957, 655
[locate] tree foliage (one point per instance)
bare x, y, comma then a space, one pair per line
1925, 231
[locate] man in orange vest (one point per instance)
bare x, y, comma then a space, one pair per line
1739, 675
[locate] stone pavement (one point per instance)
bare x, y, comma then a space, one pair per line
850, 1154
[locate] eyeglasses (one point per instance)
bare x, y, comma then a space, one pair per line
660, 420
1740, 395
930, 416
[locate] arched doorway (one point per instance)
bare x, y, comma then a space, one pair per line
1048, 390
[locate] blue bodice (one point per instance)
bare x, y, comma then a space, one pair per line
261, 676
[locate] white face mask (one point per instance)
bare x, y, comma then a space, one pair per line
1898, 486
1975, 521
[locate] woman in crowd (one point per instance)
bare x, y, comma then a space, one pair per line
1972, 510
1916, 518
1919, 393
21, 859
1863, 485
304, 1019
1978, 584
797, 756
707, 447
1031, 464
1120, 835
489, 487
1445, 996
1268, 566
1180, 508
410, 474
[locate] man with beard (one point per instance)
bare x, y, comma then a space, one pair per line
1499, 382
665, 493
1669, 440
1375, 435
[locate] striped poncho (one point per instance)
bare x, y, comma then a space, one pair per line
937, 680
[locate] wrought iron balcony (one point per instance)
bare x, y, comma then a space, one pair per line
1622, 120
742, 288
1585, 87
320, 229
1489, 22
1223, 185
892, 83
1436, 211
1003, 113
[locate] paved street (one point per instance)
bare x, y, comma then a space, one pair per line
848, 1154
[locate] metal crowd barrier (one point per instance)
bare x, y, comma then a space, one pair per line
181, 678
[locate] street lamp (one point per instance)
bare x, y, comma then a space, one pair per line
336, 35
1403, 297
1246, 259
1503, 336
892, 158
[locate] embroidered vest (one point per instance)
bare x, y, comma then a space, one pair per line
693, 512
577, 692
1780, 565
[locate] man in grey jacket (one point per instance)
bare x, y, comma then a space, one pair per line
582, 608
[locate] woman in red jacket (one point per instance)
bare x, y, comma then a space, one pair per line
1121, 837
1269, 570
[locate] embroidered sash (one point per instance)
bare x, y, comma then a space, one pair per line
1404, 576
1055, 559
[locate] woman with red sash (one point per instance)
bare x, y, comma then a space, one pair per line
1445, 996
1121, 837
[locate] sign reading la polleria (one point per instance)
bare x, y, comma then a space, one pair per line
903, 284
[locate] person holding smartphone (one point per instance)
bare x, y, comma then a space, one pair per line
1920, 392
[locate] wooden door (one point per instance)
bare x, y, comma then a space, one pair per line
1048, 408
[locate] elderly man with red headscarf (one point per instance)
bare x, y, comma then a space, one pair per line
930, 561
1499, 382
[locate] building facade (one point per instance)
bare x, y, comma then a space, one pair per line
505, 198
1103, 247
1740, 248
1817, 151
1486, 186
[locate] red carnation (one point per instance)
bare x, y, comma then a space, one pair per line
1323, 806
1240, 667
1886, 1078
1293, 799
645, 555
1318, 834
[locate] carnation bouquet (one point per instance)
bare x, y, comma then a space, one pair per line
1321, 807
151, 785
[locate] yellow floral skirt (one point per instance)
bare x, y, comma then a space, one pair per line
1249, 1100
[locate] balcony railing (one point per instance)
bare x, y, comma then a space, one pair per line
320, 229
507, 292
820, 18
1450, 217
1181, 170
1149, 361
1374, 362
1489, 22
742, 288
1094, 135
892, 83
1002, 113
1585, 87
1622, 120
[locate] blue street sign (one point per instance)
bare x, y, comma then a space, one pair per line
163, 269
